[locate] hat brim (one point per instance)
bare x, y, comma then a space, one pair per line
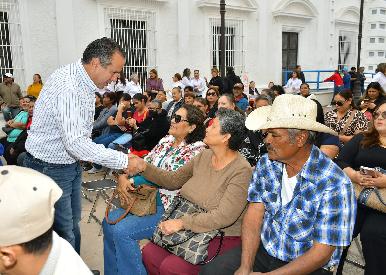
259, 120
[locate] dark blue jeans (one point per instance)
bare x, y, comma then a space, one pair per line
68, 208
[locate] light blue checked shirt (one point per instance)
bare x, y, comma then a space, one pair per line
323, 207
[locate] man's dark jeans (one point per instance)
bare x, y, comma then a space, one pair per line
68, 208
230, 261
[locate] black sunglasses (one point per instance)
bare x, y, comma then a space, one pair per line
338, 103
378, 114
211, 94
178, 118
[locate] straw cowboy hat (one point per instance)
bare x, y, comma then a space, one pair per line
287, 111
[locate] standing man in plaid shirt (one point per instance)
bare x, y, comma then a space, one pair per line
302, 207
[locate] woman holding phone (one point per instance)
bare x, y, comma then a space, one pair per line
358, 158
374, 95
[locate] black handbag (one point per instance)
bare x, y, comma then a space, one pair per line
138, 141
191, 246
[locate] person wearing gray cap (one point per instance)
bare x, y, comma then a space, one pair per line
28, 245
10, 94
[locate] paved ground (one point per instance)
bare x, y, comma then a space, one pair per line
92, 244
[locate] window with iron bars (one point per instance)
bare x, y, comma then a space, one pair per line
11, 50
234, 44
134, 31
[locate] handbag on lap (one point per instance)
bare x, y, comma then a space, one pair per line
372, 197
191, 246
140, 202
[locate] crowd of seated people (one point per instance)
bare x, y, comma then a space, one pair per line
218, 137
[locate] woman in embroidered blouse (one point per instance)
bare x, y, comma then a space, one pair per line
122, 254
345, 119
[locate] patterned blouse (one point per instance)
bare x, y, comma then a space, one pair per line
358, 124
166, 157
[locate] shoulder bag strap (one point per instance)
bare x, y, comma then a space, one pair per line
109, 207
348, 122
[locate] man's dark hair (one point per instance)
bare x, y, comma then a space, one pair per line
279, 89
196, 117
188, 89
40, 244
112, 96
126, 97
103, 49
140, 97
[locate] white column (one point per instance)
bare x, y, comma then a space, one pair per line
183, 31
65, 31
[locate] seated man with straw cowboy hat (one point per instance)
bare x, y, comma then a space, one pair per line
302, 207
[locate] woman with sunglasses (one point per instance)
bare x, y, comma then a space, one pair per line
212, 96
216, 180
369, 150
345, 119
122, 254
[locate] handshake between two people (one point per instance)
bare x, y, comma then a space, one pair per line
135, 165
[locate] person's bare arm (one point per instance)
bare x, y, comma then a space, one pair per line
330, 150
315, 258
344, 138
250, 236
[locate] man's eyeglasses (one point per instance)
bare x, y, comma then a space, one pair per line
178, 118
378, 114
338, 103
211, 94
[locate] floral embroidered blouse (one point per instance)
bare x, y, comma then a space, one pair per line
358, 124
168, 158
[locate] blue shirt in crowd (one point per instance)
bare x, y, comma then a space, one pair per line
346, 81
242, 104
322, 209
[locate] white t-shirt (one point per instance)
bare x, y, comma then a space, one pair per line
63, 260
293, 86
132, 88
287, 187
381, 79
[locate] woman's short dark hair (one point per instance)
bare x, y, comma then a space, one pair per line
194, 116
347, 94
140, 97
214, 89
233, 123
186, 72
99, 95
188, 89
126, 97
304, 83
103, 49
202, 100
112, 96
189, 94
278, 89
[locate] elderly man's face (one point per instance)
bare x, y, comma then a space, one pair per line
279, 145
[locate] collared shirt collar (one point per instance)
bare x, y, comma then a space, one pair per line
85, 77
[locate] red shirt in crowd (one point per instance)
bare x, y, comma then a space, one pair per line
336, 78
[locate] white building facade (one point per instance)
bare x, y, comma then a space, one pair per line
262, 37
374, 38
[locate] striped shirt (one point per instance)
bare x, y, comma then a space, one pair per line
63, 120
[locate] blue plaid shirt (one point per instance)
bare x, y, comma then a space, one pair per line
322, 209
